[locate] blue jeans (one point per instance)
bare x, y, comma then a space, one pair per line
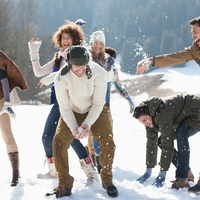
181, 157
79, 149
96, 146
49, 132
181, 135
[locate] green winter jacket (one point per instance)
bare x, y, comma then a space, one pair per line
167, 114
190, 53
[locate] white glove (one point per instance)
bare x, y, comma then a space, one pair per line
63, 53
34, 49
47, 80
7, 109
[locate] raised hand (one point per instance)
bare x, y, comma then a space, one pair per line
143, 66
34, 46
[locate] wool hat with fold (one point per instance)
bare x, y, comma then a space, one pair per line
78, 55
98, 36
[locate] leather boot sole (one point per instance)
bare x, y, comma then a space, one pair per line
176, 186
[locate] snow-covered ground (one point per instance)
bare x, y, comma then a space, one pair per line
129, 161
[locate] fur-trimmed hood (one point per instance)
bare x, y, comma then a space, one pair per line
111, 51
14, 74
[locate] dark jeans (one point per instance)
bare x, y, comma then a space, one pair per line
49, 132
182, 156
79, 149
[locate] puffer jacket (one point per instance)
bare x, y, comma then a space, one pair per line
167, 115
14, 74
190, 53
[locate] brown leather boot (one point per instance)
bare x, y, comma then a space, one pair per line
190, 177
14, 159
181, 183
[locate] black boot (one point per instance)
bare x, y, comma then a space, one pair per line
98, 164
195, 188
14, 159
60, 192
111, 189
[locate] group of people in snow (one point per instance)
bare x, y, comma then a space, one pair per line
80, 76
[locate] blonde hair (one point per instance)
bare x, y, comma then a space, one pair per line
98, 58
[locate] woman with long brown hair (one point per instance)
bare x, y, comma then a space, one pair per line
67, 35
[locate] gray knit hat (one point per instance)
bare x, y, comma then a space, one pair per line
78, 55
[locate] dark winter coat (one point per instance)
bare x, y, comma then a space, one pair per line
14, 74
167, 115
190, 53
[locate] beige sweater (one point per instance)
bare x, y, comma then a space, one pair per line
81, 95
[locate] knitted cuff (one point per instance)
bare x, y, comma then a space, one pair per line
148, 171
162, 174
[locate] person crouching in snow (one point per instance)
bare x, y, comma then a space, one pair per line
175, 117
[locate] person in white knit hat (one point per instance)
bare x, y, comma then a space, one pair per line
105, 57
98, 35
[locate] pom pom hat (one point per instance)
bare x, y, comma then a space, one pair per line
80, 22
98, 36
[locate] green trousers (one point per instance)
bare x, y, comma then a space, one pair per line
102, 132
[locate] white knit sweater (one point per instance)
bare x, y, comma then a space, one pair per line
81, 95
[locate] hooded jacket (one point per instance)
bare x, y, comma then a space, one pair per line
14, 74
167, 115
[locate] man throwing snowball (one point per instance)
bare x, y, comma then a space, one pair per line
171, 59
